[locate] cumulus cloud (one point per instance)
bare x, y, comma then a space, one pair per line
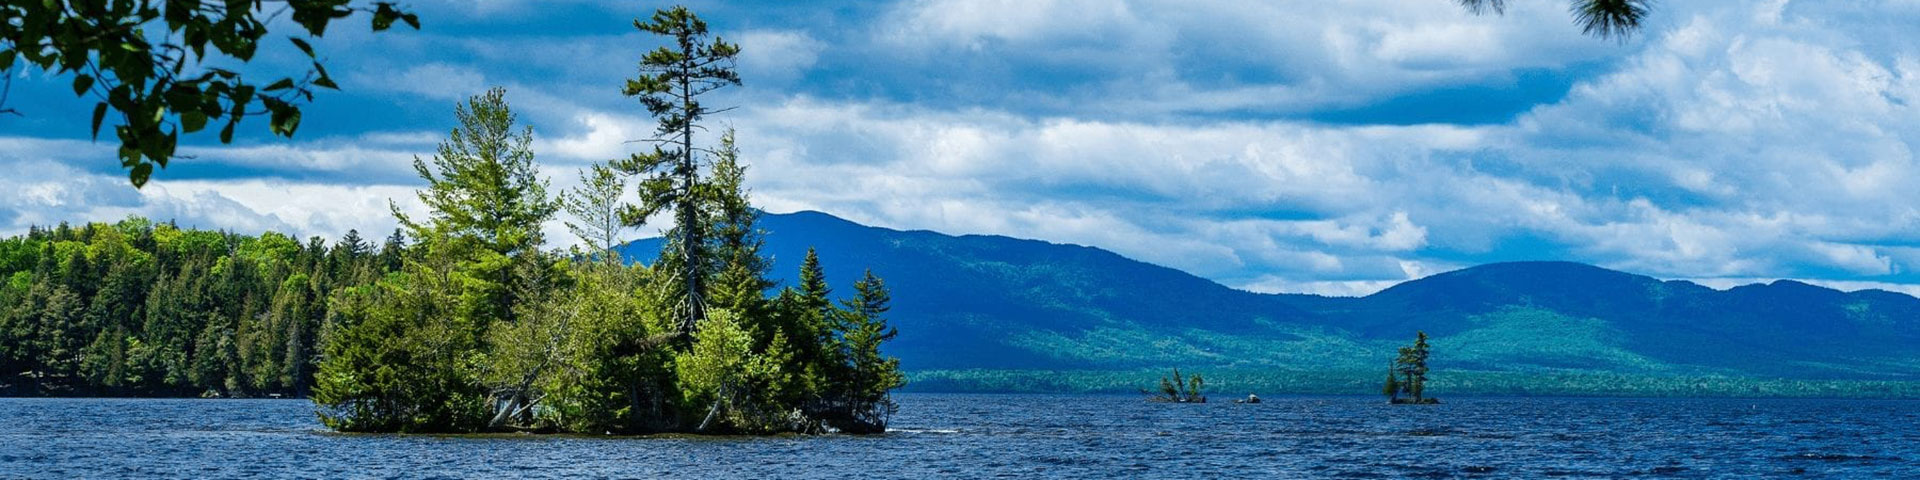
1731, 142
1182, 57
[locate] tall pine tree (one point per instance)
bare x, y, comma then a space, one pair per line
672, 80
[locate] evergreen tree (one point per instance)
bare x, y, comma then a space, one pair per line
486, 203
671, 82
595, 207
393, 252
351, 245
1194, 385
809, 316
478, 269
872, 374
399, 361
1412, 363
741, 283
473, 327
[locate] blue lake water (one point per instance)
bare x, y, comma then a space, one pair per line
1016, 436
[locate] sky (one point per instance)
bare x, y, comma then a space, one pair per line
1297, 146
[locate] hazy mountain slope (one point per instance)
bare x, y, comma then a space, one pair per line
990, 302
997, 302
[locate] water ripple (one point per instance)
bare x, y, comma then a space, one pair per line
1013, 436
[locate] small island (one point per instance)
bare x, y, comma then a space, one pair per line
1408, 374
478, 328
1177, 390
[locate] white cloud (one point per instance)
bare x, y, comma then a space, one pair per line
1158, 57
1733, 140
779, 54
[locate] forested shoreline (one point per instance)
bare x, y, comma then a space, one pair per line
465, 319
140, 308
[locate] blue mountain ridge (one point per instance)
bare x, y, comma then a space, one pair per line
999, 303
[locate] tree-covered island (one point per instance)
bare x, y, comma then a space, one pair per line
1408, 374
482, 331
464, 320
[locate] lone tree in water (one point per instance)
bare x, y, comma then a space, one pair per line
1412, 368
1179, 390
672, 79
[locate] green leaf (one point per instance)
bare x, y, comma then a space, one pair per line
226, 134
322, 79
304, 47
411, 19
139, 174
81, 83
6, 59
153, 144
384, 16
286, 119
282, 84
99, 113
241, 95
193, 120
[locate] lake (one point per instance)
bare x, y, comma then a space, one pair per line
1021, 436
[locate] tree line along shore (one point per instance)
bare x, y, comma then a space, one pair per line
464, 320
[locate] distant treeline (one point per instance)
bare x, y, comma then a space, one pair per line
1448, 382
145, 308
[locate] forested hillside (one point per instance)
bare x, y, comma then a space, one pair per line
999, 313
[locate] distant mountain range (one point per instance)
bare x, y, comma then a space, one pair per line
976, 303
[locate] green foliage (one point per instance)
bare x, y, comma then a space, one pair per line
672, 80
472, 326
1176, 389
1412, 367
1392, 387
871, 374
487, 205
741, 282
148, 62
595, 208
615, 372
143, 308
723, 373
398, 361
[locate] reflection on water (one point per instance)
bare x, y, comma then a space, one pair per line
980, 436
